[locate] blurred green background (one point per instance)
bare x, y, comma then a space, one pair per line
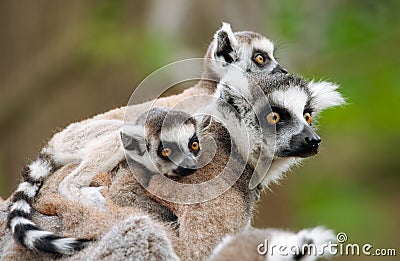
63, 61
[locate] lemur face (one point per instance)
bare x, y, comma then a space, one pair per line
293, 103
282, 105
164, 141
249, 51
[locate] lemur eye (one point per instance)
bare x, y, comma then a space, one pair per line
259, 59
195, 146
307, 117
165, 152
273, 118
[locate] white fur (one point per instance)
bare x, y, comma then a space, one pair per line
245, 52
182, 134
39, 169
324, 95
226, 27
320, 237
99, 155
236, 80
292, 99
265, 45
64, 245
21, 205
28, 188
33, 235
145, 160
19, 220
277, 170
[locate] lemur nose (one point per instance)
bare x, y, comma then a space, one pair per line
279, 69
314, 140
188, 163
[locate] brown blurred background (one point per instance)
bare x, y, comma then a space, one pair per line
63, 61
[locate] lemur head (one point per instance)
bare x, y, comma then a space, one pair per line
294, 102
282, 104
249, 51
164, 141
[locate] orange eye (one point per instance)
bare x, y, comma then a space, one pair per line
166, 152
273, 118
259, 59
195, 146
307, 117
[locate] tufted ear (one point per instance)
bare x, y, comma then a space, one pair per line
324, 95
224, 44
204, 121
231, 96
132, 138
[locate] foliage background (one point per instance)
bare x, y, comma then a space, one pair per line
62, 61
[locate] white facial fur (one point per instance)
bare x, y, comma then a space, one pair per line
150, 158
243, 45
291, 93
324, 95
294, 100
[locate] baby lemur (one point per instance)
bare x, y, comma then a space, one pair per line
162, 140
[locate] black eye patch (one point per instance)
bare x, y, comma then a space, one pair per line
283, 113
193, 139
172, 146
257, 54
308, 110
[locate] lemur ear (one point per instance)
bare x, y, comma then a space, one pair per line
225, 44
235, 97
324, 95
204, 121
132, 138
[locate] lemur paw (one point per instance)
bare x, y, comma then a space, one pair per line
92, 196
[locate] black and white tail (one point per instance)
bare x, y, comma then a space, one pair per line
20, 221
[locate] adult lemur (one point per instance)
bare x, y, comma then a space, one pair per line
246, 50
291, 104
284, 102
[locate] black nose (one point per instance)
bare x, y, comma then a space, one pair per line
304, 144
314, 140
182, 172
279, 69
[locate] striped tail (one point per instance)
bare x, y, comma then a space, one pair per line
20, 221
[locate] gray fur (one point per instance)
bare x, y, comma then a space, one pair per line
103, 136
75, 143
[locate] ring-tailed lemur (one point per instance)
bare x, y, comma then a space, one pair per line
284, 102
163, 140
247, 50
233, 217
292, 101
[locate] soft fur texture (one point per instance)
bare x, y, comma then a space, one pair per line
148, 239
201, 225
226, 51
